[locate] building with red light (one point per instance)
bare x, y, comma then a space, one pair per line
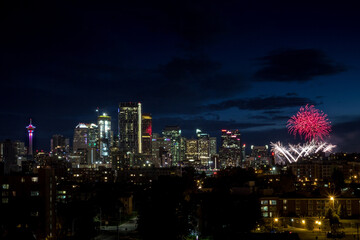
146, 133
230, 151
30, 128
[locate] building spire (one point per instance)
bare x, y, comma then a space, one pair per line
30, 129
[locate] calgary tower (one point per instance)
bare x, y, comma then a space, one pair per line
30, 129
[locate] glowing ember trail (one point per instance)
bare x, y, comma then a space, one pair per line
310, 123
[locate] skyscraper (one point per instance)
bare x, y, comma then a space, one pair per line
174, 134
230, 150
192, 151
30, 129
146, 133
57, 142
130, 127
104, 123
161, 151
206, 148
80, 138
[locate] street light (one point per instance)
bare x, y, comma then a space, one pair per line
332, 199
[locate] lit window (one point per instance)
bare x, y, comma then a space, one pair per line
272, 202
5, 200
34, 179
264, 202
264, 208
34, 214
34, 193
5, 186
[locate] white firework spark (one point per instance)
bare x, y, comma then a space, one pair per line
293, 153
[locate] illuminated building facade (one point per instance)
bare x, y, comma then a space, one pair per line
146, 133
212, 146
80, 141
59, 143
174, 134
93, 135
204, 151
130, 127
230, 150
30, 128
200, 151
104, 128
161, 151
93, 151
259, 156
192, 151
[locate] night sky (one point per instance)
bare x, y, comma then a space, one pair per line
246, 65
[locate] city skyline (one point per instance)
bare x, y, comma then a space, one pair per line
229, 65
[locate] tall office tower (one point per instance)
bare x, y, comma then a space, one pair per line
259, 156
174, 134
206, 148
182, 149
57, 142
146, 133
161, 151
93, 145
204, 151
104, 123
30, 129
80, 138
230, 150
130, 126
20, 150
203, 147
93, 135
192, 151
212, 145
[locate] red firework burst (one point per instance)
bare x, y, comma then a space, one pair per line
309, 123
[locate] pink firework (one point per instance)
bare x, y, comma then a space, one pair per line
310, 123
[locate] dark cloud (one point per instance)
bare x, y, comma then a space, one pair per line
296, 65
188, 126
265, 137
346, 135
197, 23
272, 117
276, 102
179, 86
212, 116
272, 112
